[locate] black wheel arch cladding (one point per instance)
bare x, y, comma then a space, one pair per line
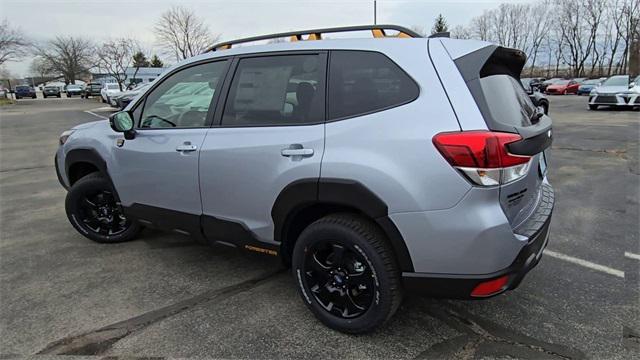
304, 193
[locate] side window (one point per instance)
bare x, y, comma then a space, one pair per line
276, 90
363, 82
182, 100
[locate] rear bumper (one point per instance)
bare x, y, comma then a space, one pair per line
535, 230
461, 286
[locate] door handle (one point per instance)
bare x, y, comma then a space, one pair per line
186, 147
292, 151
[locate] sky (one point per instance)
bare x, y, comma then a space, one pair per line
102, 20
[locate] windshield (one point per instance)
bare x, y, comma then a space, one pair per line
51, 87
591, 82
113, 87
95, 86
617, 81
73, 86
561, 82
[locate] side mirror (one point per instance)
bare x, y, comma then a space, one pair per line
122, 122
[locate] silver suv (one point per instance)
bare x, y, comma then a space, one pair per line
372, 167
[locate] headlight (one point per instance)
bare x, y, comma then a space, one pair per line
65, 135
593, 92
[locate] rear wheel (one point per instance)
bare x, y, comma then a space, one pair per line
346, 273
92, 209
593, 107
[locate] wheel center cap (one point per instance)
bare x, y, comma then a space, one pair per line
338, 279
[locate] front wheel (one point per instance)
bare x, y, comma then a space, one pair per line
346, 273
93, 211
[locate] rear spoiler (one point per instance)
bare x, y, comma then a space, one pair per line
491, 60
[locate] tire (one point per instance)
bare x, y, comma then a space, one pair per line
59, 96
367, 258
593, 107
90, 189
545, 108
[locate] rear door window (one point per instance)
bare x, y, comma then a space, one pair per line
362, 82
277, 90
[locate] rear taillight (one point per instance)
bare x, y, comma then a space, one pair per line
483, 156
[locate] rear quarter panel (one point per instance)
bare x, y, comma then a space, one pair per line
391, 151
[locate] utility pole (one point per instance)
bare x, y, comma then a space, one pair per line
374, 12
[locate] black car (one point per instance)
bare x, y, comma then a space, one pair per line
51, 91
537, 98
23, 91
92, 89
73, 89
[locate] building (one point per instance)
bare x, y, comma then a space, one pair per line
144, 75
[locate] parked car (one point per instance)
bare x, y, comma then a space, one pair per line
343, 178
562, 87
616, 91
124, 98
73, 89
109, 90
92, 89
588, 85
51, 91
544, 84
23, 91
537, 98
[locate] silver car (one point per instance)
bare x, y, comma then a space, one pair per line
616, 91
371, 167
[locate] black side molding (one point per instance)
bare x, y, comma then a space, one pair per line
341, 192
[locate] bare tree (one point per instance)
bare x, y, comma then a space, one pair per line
461, 32
67, 56
13, 46
481, 26
115, 56
538, 26
182, 34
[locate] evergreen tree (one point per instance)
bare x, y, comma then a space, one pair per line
156, 62
440, 25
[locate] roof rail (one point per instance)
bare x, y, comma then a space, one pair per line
377, 31
444, 34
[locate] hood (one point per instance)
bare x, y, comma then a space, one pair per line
87, 125
557, 86
611, 89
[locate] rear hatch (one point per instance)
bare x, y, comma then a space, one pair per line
492, 74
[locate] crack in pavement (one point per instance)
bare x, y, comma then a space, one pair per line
492, 339
26, 168
98, 341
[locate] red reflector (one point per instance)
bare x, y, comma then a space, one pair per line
490, 287
478, 149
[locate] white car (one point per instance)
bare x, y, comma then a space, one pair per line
616, 91
109, 90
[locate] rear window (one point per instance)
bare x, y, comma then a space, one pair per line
507, 101
362, 82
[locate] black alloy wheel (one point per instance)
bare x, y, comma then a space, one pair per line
93, 209
346, 273
100, 213
340, 279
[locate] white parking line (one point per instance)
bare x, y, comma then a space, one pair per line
585, 263
94, 114
631, 255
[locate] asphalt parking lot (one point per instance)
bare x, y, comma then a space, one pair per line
166, 296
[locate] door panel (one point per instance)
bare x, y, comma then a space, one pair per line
242, 171
271, 134
152, 172
158, 169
